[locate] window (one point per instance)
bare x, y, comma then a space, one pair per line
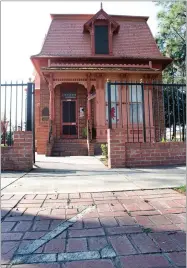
114, 103
136, 107
101, 39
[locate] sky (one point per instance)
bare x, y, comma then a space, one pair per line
25, 24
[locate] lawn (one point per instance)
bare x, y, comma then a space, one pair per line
181, 189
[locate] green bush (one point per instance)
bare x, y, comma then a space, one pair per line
163, 140
104, 148
84, 132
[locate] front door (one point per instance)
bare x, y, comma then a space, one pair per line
69, 119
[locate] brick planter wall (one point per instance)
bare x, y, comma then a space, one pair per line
18, 157
121, 154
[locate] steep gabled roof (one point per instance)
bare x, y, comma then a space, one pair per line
66, 39
101, 15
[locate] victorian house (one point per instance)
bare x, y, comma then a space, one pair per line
79, 55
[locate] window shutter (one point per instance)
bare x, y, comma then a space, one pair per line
101, 39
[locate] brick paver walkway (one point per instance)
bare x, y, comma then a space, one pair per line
129, 229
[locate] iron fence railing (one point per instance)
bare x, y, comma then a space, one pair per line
147, 112
17, 110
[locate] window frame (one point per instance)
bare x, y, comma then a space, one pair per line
116, 103
110, 34
131, 103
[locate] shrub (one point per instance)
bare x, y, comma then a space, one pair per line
163, 140
104, 148
84, 132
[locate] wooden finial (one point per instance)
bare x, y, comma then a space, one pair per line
101, 5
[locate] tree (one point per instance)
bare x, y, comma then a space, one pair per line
6, 135
172, 43
171, 38
175, 109
4, 125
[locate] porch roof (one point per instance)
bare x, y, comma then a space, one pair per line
63, 66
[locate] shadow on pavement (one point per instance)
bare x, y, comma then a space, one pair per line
141, 238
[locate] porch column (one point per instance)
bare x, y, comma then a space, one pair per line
97, 101
89, 118
51, 98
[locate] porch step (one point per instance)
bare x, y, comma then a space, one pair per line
67, 141
68, 147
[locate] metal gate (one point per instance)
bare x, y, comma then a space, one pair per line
17, 111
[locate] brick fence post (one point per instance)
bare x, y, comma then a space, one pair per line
20, 155
23, 140
116, 148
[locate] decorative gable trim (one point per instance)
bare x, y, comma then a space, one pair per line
101, 15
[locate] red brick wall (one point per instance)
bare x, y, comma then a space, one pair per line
58, 111
20, 155
116, 148
37, 114
82, 102
41, 127
121, 154
42, 138
155, 154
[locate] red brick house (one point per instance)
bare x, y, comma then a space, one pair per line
80, 53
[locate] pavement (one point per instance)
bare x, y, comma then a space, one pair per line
125, 229
73, 212
88, 174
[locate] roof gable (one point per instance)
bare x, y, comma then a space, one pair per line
101, 15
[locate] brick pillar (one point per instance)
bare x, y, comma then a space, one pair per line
51, 99
89, 118
116, 148
20, 155
90, 148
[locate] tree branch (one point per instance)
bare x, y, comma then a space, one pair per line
178, 34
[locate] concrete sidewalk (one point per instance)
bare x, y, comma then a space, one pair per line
126, 229
88, 174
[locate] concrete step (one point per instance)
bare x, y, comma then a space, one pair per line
68, 153
73, 147
69, 141
69, 145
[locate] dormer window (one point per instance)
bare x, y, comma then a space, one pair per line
101, 28
101, 39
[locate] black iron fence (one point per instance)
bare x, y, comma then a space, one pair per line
147, 112
17, 110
